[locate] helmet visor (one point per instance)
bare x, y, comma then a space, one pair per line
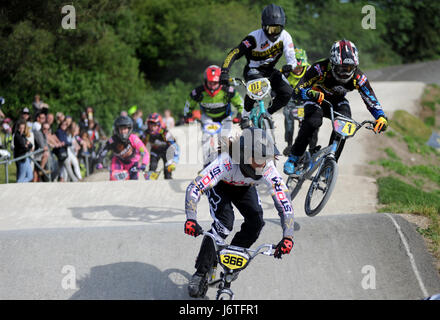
273, 30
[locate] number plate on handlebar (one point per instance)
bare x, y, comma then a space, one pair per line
212, 127
345, 128
258, 88
233, 260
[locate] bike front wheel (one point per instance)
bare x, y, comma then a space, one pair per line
321, 188
267, 126
294, 184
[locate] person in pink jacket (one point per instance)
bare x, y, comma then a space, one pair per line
129, 152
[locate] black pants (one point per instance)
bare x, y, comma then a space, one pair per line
278, 83
221, 197
313, 114
154, 161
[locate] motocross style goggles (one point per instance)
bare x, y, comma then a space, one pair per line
273, 30
345, 70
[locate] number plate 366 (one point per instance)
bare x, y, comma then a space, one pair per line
233, 260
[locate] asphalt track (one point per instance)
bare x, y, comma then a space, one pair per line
104, 240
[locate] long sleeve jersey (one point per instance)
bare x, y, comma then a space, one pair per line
132, 150
224, 169
320, 77
261, 53
215, 107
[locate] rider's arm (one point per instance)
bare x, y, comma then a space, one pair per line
137, 143
246, 45
237, 101
362, 84
194, 98
281, 198
289, 49
206, 179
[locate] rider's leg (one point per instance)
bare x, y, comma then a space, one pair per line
154, 160
282, 89
248, 203
289, 128
115, 166
220, 206
312, 121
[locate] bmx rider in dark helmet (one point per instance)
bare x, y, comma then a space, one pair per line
263, 48
245, 162
331, 79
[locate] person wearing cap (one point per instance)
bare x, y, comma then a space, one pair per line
231, 179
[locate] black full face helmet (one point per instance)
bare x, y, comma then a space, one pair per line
273, 20
123, 122
258, 147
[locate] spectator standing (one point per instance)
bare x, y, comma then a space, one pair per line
41, 143
168, 119
39, 106
83, 121
59, 116
138, 122
61, 152
21, 147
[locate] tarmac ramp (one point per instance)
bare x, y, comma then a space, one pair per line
125, 240
362, 256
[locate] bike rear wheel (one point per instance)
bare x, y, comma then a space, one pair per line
321, 188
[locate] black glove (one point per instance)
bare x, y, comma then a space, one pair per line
283, 247
245, 123
133, 169
286, 69
224, 77
192, 228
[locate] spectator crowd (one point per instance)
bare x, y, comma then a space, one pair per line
69, 147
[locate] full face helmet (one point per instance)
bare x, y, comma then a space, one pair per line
256, 149
212, 80
344, 60
273, 20
154, 123
301, 58
121, 123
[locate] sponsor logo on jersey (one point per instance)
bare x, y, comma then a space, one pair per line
264, 45
247, 44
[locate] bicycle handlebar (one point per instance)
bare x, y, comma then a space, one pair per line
252, 252
358, 125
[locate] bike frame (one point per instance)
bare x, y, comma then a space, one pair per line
311, 164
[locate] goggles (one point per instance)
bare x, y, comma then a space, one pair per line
345, 69
273, 30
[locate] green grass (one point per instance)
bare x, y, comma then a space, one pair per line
400, 197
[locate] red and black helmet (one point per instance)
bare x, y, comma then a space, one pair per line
344, 59
212, 80
155, 119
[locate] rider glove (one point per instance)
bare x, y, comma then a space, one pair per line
283, 247
192, 228
245, 123
381, 124
314, 95
286, 69
224, 77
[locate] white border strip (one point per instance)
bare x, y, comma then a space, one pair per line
411, 257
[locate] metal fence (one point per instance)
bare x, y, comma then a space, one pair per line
8, 161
